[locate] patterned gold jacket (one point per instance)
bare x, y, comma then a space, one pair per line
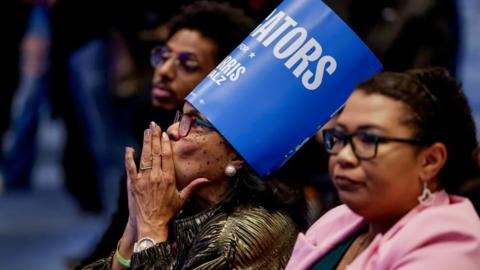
248, 238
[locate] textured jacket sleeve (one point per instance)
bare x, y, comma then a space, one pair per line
250, 238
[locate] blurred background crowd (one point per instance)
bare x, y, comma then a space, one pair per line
76, 90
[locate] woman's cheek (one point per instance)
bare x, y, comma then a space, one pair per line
186, 148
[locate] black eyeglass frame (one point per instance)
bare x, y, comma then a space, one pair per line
375, 139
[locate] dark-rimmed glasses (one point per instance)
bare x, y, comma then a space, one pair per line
183, 60
364, 145
185, 122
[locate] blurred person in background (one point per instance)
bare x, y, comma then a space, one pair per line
17, 18
63, 70
30, 93
79, 95
406, 34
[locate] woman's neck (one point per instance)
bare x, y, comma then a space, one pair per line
381, 226
383, 223
212, 193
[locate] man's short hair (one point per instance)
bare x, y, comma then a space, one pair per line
225, 25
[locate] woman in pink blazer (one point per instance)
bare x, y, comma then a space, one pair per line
401, 146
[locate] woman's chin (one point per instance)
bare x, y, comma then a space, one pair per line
354, 201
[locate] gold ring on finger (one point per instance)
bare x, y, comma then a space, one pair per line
143, 167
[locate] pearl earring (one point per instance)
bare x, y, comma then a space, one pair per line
230, 170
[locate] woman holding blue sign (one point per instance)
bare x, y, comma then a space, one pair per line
402, 144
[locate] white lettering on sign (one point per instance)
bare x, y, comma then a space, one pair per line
292, 42
229, 69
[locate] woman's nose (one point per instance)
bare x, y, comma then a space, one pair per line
347, 156
172, 132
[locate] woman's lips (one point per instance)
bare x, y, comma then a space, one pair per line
345, 183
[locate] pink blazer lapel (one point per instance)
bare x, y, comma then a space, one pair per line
331, 229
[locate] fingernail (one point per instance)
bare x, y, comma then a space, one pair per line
152, 124
146, 133
164, 136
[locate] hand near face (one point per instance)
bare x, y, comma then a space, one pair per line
154, 198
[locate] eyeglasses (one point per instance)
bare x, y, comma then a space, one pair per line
186, 122
183, 60
364, 145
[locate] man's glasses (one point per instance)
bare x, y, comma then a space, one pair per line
183, 60
186, 121
364, 145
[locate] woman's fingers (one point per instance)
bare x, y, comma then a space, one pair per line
156, 148
146, 158
131, 169
130, 166
167, 157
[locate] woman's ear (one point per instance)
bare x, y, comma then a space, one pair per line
433, 160
237, 162
233, 166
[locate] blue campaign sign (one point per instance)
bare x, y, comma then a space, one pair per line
283, 82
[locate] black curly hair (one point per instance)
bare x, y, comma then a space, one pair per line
227, 26
438, 111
